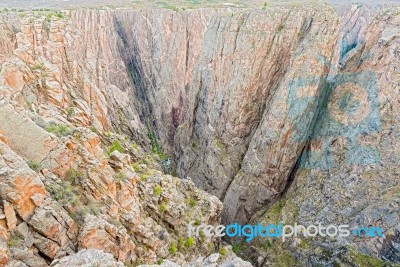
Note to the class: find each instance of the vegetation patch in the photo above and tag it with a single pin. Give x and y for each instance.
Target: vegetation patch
(73, 175)
(189, 242)
(70, 111)
(136, 166)
(238, 247)
(36, 166)
(365, 260)
(38, 66)
(280, 27)
(286, 259)
(223, 251)
(163, 207)
(63, 193)
(115, 146)
(94, 129)
(274, 213)
(190, 201)
(14, 241)
(218, 144)
(157, 190)
(173, 249)
(181, 243)
(120, 176)
(59, 130)
(155, 147)
(144, 176)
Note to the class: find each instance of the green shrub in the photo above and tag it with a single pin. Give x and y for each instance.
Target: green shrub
(267, 244)
(169, 6)
(115, 146)
(218, 144)
(223, 251)
(172, 248)
(189, 242)
(130, 263)
(136, 166)
(36, 166)
(163, 207)
(190, 201)
(94, 129)
(157, 190)
(134, 146)
(202, 235)
(59, 15)
(120, 176)
(137, 262)
(286, 259)
(194, 145)
(300, 34)
(114, 221)
(93, 208)
(14, 241)
(181, 243)
(144, 176)
(155, 147)
(70, 111)
(210, 247)
(72, 175)
(38, 66)
(365, 260)
(63, 193)
(238, 247)
(59, 130)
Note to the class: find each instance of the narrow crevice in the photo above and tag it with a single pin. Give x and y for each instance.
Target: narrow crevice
(293, 172)
(130, 53)
(44, 256)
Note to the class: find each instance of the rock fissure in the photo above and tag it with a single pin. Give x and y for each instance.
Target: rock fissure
(248, 105)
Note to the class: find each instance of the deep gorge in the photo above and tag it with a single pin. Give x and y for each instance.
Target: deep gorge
(250, 105)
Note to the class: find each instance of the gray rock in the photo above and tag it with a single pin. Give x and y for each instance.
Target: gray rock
(87, 258)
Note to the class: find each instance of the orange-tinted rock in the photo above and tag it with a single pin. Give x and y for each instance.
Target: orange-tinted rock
(11, 218)
(99, 234)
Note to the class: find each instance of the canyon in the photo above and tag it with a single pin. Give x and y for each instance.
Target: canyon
(119, 126)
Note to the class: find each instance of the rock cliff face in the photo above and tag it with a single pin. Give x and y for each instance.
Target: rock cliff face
(288, 113)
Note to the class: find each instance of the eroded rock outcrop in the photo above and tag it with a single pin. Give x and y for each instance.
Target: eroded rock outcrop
(88, 257)
(242, 100)
(32, 218)
(81, 202)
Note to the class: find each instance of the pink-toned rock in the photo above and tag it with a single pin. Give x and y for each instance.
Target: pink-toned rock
(10, 215)
(3, 246)
(99, 234)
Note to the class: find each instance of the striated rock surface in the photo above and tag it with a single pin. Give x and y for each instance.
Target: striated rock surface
(288, 113)
(88, 257)
(81, 202)
(215, 259)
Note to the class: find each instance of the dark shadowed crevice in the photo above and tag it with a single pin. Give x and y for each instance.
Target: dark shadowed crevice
(142, 86)
(293, 172)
